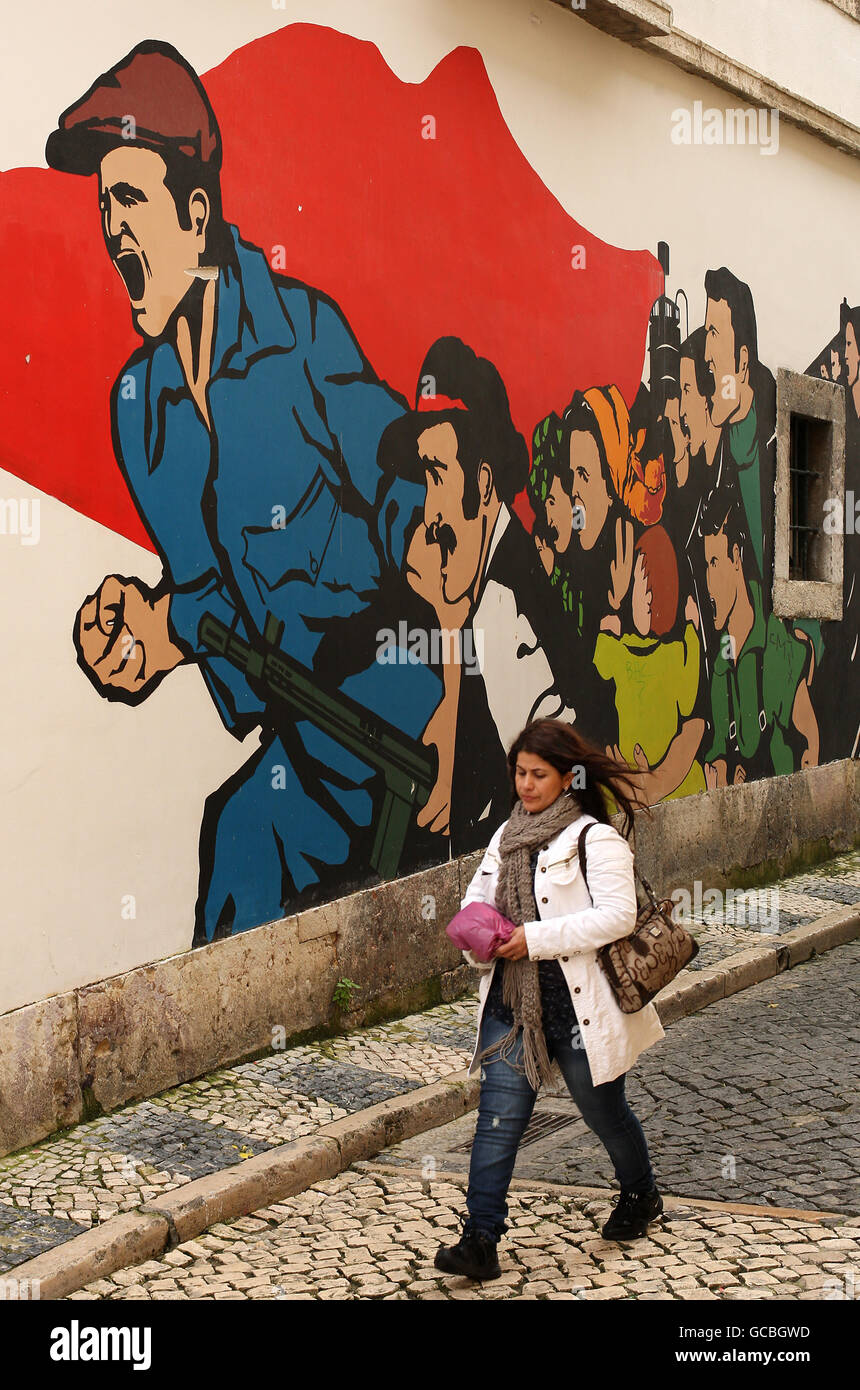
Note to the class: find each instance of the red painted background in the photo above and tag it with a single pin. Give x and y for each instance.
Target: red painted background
(414, 238)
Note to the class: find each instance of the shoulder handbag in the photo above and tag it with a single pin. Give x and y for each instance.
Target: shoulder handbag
(639, 965)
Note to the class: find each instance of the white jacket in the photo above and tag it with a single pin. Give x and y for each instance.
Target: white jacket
(571, 930)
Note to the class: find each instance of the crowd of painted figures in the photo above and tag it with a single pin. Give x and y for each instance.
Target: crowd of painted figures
(640, 605)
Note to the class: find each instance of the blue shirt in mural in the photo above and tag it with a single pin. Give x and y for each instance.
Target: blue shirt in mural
(281, 508)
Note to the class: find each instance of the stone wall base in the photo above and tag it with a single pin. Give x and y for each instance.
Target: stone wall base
(101, 1046)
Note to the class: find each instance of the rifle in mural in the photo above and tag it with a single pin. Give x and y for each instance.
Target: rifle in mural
(664, 338)
(287, 685)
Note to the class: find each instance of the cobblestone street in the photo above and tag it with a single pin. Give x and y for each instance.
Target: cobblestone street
(753, 1101)
(368, 1234)
(790, 1085)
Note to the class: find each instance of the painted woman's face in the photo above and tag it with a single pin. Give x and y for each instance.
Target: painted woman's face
(538, 783)
(589, 489)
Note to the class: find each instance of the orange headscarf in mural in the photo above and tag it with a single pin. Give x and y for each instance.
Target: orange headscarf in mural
(640, 485)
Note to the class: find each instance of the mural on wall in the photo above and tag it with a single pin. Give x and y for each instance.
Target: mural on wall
(839, 361)
(392, 448)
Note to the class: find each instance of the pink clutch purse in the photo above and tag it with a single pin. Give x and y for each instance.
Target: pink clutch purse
(479, 928)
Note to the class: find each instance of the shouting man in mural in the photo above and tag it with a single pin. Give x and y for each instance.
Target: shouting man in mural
(246, 426)
(462, 442)
(764, 723)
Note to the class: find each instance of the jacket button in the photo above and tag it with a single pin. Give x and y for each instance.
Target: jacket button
(576, 987)
(544, 900)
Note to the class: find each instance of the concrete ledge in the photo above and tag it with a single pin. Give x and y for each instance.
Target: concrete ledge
(124, 1240)
(749, 967)
(834, 929)
(630, 20)
(686, 995)
(391, 1121)
(703, 987)
(647, 25)
(256, 1182)
(699, 58)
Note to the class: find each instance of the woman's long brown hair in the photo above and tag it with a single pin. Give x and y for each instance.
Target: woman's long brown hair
(559, 744)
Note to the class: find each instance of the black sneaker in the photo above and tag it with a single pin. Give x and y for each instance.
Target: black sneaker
(474, 1256)
(632, 1212)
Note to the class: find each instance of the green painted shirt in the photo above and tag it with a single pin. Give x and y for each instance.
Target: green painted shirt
(743, 446)
(772, 658)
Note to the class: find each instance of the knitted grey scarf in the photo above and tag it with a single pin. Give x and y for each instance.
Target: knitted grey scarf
(515, 899)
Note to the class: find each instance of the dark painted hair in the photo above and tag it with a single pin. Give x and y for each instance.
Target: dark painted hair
(724, 511)
(694, 348)
(558, 743)
(485, 431)
(722, 284)
(183, 175)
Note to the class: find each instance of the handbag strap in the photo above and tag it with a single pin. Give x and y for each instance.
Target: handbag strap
(582, 852)
(580, 849)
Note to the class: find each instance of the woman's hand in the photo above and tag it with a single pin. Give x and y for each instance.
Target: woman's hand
(515, 947)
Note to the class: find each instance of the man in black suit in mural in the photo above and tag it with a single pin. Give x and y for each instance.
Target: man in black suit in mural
(462, 442)
(743, 404)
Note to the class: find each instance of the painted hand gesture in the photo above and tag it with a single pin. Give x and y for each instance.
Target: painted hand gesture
(621, 568)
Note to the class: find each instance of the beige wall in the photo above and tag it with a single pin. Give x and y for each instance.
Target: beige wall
(809, 46)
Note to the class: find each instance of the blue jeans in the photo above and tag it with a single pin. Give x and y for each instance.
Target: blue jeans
(505, 1107)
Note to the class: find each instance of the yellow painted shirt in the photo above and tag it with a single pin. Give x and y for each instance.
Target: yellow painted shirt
(655, 690)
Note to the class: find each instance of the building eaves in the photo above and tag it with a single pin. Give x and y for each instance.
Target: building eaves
(647, 24)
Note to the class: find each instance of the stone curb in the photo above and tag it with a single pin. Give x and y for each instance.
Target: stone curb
(123, 1240)
(188, 1211)
(757, 963)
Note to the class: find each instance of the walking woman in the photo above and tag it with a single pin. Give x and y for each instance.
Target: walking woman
(544, 995)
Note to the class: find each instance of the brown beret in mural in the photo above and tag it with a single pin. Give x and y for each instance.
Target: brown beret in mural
(152, 97)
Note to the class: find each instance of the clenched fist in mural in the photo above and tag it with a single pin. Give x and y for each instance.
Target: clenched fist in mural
(122, 639)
